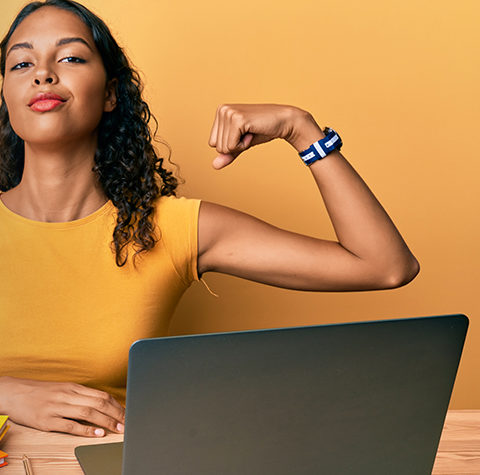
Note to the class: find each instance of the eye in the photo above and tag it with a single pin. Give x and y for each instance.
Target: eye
(72, 59)
(20, 65)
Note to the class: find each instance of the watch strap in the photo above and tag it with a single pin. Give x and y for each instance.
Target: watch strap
(321, 148)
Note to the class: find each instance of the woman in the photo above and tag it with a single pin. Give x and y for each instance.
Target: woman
(78, 166)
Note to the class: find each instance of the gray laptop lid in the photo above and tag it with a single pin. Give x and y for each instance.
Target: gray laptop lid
(355, 398)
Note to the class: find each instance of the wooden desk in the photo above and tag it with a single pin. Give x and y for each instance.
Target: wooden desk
(52, 453)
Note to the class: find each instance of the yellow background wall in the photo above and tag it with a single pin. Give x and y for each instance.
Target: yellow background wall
(399, 80)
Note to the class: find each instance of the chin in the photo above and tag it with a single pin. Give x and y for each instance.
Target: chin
(53, 134)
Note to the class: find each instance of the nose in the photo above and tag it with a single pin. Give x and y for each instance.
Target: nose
(47, 80)
(44, 75)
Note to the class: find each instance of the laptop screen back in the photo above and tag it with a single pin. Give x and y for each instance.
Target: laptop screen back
(355, 398)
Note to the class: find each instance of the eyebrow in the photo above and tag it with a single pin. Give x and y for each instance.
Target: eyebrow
(60, 42)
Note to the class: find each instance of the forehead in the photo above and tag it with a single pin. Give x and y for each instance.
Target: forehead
(45, 25)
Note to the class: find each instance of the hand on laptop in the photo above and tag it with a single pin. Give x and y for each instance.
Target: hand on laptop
(57, 406)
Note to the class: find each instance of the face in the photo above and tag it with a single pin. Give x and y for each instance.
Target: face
(52, 52)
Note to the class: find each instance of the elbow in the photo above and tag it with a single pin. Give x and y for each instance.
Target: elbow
(403, 274)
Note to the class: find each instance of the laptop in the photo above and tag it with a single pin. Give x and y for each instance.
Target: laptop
(353, 398)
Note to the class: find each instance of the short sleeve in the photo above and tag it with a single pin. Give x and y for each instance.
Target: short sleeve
(177, 219)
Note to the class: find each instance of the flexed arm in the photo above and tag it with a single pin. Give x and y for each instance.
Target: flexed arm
(370, 253)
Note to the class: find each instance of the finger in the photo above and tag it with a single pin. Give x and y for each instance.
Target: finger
(94, 412)
(247, 140)
(222, 161)
(214, 132)
(100, 400)
(96, 393)
(235, 141)
(212, 141)
(232, 138)
(231, 133)
(59, 424)
(221, 125)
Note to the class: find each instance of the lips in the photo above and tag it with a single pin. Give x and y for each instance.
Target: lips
(45, 101)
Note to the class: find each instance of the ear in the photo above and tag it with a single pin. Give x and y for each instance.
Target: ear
(110, 95)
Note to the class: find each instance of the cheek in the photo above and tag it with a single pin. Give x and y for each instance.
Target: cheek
(90, 98)
(16, 108)
(9, 89)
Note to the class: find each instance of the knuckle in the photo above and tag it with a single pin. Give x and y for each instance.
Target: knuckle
(223, 108)
(238, 118)
(247, 124)
(101, 403)
(109, 399)
(63, 396)
(72, 387)
(68, 426)
(86, 411)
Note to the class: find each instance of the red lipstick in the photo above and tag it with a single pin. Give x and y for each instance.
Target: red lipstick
(45, 101)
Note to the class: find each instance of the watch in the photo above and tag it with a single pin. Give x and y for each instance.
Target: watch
(321, 148)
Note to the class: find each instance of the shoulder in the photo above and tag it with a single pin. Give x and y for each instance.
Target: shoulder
(177, 221)
(172, 209)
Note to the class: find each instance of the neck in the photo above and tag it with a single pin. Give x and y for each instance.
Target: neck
(58, 183)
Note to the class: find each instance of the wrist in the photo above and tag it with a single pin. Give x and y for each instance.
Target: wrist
(304, 131)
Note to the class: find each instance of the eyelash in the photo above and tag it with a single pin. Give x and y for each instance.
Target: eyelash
(77, 61)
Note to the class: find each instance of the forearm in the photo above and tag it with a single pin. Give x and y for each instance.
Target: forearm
(361, 224)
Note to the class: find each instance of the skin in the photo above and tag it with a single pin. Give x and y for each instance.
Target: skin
(58, 185)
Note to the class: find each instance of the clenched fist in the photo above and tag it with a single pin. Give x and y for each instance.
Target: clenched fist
(238, 127)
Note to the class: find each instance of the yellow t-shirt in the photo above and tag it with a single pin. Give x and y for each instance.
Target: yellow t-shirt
(69, 313)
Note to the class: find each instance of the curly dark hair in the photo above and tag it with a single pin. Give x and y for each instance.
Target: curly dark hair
(126, 163)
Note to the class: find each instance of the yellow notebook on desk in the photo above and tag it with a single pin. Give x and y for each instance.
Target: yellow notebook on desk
(3, 426)
(3, 430)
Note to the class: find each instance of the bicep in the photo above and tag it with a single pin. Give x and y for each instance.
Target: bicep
(235, 243)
